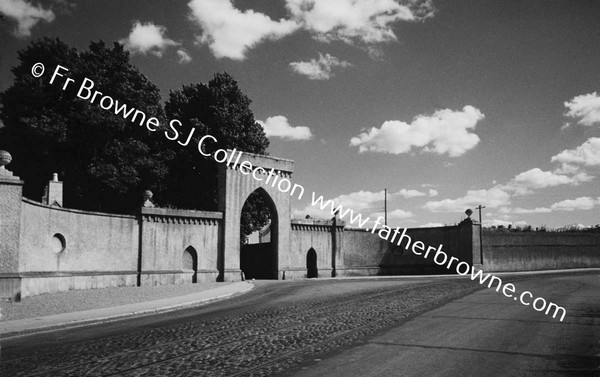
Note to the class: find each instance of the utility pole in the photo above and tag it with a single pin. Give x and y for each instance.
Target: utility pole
(334, 242)
(385, 204)
(480, 207)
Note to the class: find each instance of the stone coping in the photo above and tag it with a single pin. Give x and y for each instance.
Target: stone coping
(11, 180)
(408, 229)
(55, 208)
(316, 222)
(53, 274)
(189, 213)
(266, 162)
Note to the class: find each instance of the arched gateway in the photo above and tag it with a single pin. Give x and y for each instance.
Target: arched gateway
(173, 246)
(236, 183)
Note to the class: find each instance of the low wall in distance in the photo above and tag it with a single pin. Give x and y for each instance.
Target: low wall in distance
(365, 253)
(529, 251)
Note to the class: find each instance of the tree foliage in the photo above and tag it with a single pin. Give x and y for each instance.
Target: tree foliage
(218, 108)
(105, 161)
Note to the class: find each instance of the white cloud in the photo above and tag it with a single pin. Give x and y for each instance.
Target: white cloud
(366, 21)
(319, 69)
(362, 200)
(587, 154)
(357, 201)
(431, 225)
(278, 126)
(492, 198)
(536, 178)
(229, 32)
(522, 211)
(147, 38)
(581, 203)
(184, 57)
(526, 182)
(585, 108)
(498, 222)
(500, 195)
(397, 214)
(446, 131)
(394, 218)
(26, 15)
(409, 193)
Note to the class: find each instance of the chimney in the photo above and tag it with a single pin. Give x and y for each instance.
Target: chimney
(54, 192)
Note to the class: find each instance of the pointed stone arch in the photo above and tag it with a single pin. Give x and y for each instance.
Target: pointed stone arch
(189, 262)
(260, 260)
(312, 270)
(235, 186)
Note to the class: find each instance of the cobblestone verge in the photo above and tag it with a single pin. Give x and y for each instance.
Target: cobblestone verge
(255, 343)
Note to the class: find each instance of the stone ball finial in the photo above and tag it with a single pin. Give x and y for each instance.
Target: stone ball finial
(148, 199)
(5, 158)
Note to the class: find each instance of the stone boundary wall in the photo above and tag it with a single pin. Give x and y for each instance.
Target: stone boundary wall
(529, 251)
(165, 237)
(318, 235)
(47, 248)
(365, 253)
(62, 249)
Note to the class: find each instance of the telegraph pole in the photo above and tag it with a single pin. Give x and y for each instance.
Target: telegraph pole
(480, 207)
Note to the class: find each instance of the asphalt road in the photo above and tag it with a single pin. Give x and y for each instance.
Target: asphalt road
(485, 334)
(415, 326)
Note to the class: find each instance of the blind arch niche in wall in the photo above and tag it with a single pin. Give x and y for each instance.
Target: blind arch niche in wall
(190, 262)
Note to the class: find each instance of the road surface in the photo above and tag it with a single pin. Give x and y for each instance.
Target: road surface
(392, 327)
(485, 334)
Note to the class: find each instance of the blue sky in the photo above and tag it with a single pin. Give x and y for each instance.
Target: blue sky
(447, 104)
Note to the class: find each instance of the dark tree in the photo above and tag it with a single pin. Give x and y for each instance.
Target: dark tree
(218, 108)
(105, 160)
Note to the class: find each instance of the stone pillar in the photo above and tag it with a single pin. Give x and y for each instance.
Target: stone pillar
(11, 193)
(469, 242)
(477, 246)
(228, 259)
